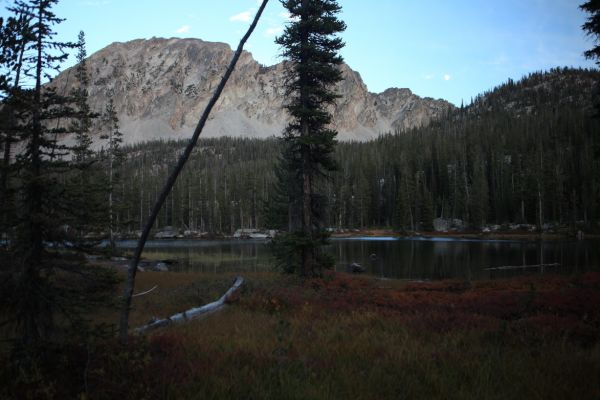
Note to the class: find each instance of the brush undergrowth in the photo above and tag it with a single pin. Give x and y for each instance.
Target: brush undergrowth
(342, 337)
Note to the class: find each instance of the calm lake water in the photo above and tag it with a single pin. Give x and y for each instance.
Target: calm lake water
(404, 258)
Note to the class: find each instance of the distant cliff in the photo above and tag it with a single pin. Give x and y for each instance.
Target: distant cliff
(161, 86)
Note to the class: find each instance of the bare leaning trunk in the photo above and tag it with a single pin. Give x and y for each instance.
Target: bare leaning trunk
(129, 285)
(142, 193)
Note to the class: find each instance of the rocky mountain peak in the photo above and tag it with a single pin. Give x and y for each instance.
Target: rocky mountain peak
(160, 87)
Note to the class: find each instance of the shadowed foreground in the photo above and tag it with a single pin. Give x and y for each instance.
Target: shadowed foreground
(347, 337)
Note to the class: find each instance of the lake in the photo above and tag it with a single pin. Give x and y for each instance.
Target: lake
(400, 258)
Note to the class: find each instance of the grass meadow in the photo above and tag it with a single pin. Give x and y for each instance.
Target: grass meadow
(344, 337)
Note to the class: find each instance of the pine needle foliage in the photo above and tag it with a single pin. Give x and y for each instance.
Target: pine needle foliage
(311, 47)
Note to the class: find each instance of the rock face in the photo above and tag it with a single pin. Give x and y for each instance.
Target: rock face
(161, 86)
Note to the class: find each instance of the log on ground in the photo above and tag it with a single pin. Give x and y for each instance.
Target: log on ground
(192, 313)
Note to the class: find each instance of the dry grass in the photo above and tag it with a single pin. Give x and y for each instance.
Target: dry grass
(356, 337)
(360, 338)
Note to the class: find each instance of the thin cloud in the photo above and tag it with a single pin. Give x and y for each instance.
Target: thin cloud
(244, 16)
(183, 29)
(274, 31)
(447, 77)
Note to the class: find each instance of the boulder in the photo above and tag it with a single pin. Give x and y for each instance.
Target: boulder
(356, 268)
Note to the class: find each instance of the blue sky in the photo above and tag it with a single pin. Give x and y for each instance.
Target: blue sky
(451, 49)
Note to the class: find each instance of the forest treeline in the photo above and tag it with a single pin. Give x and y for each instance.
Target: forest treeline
(525, 152)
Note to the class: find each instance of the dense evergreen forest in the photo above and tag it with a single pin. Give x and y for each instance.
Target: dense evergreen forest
(526, 152)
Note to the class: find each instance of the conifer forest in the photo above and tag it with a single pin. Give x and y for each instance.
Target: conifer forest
(522, 153)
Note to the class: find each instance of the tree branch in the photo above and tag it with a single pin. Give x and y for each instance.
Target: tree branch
(130, 283)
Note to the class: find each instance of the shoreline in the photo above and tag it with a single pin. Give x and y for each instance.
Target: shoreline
(351, 233)
(503, 235)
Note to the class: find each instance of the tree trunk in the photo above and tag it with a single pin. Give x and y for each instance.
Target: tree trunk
(33, 194)
(110, 191)
(307, 256)
(129, 286)
(4, 195)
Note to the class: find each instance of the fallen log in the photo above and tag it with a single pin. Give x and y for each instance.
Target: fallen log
(507, 267)
(192, 313)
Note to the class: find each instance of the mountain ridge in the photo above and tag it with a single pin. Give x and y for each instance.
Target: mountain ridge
(160, 87)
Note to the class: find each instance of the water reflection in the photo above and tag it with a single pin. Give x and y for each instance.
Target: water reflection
(412, 258)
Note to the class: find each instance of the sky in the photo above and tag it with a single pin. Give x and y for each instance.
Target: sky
(449, 49)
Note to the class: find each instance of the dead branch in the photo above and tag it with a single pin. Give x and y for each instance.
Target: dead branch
(146, 292)
(130, 283)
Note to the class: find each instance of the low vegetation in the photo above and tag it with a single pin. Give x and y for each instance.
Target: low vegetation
(343, 337)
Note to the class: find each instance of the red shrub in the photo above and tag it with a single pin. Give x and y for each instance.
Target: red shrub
(558, 326)
(450, 285)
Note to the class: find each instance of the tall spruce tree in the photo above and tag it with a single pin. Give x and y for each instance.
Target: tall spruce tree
(83, 121)
(35, 308)
(114, 158)
(40, 282)
(311, 46)
(84, 181)
(592, 28)
(15, 35)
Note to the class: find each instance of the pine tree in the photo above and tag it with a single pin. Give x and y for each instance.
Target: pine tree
(277, 208)
(41, 283)
(311, 47)
(83, 119)
(402, 211)
(428, 211)
(592, 28)
(85, 183)
(15, 34)
(114, 161)
(479, 196)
